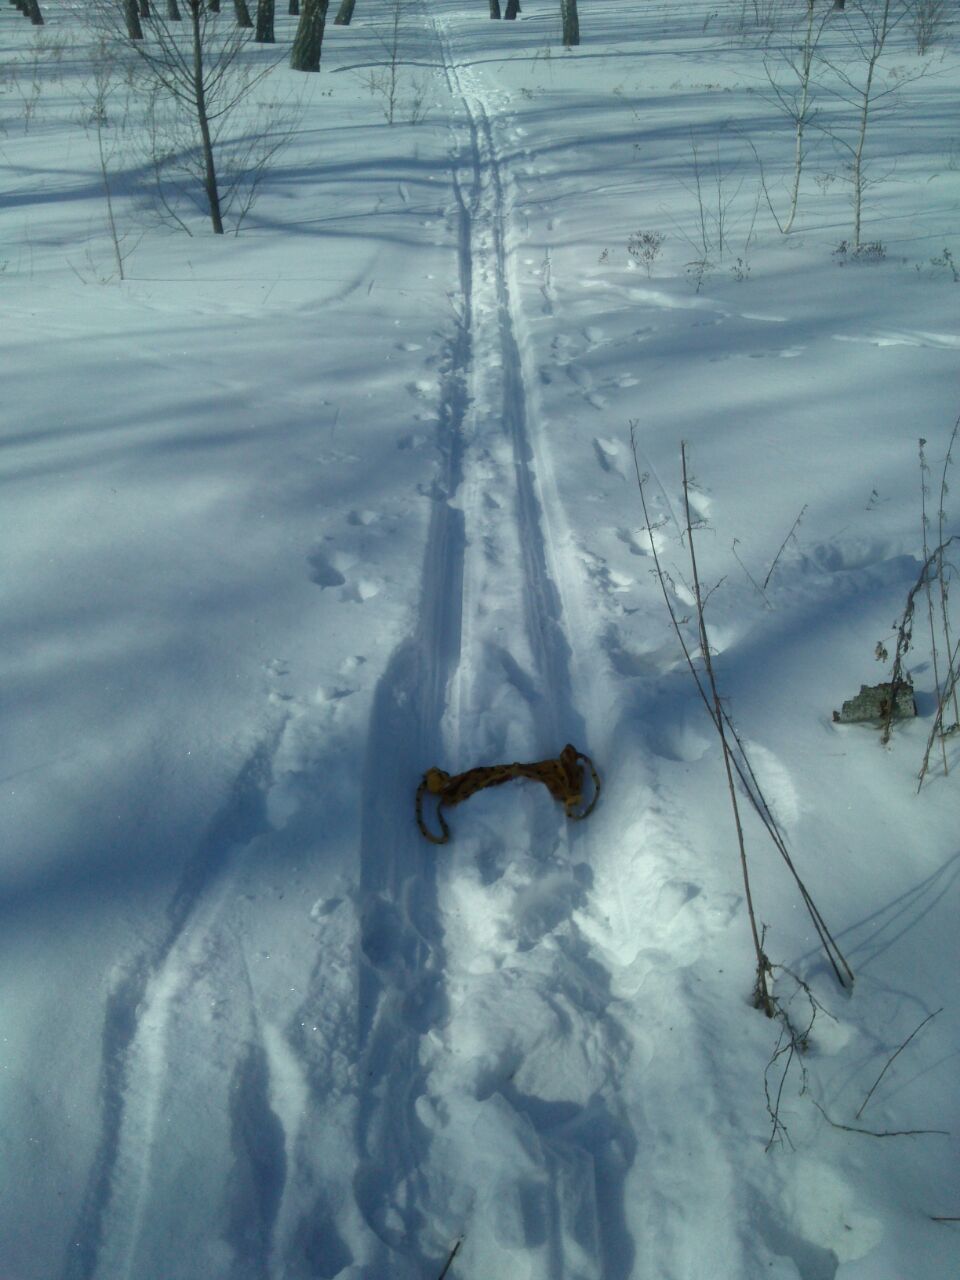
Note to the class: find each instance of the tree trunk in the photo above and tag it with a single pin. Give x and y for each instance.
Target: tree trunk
(213, 6)
(494, 8)
(294, 8)
(571, 22)
(200, 102)
(131, 18)
(32, 10)
(803, 68)
(513, 8)
(344, 13)
(173, 11)
(265, 13)
(308, 41)
(144, 8)
(243, 13)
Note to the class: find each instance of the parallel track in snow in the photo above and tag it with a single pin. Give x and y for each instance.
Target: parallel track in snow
(424, 700)
(497, 346)
(138, 1041)
(479, 641)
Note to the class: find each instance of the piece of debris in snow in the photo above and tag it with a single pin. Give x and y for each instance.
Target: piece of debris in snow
(873, 703)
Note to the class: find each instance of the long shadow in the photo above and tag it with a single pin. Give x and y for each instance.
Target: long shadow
(867, 939)
(401, 992)
(239, 821)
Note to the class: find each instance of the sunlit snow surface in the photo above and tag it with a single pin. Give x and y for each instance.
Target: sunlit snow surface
(289, 517)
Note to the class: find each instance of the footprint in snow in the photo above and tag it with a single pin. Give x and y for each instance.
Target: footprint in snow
(642, 542)
(562, 348)
(583, 379)
(422, 389)
(608, 453)
(323, 571)
(700, 503)
(608, 579)
(360, 591)
(681, 741)
(903, 338)
(544, 903)
(630, 662)
(854, 553)
(721, 638)
(771, 353)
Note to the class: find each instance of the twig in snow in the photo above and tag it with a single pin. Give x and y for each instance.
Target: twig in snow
(946, 693)
(890, 1060)
(940, 538)
(449, 1263)
(793, 1041)
(712, 700)
(842, 970)
(753, 582)
(776, 558)
(762, 996)
(878, 1133)
(949, 691)
(924, 523)
(905, 638)
(739, 759)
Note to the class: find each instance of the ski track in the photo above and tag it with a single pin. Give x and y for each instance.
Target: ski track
(139, 1010)
(424, 1051)
(405, 1010)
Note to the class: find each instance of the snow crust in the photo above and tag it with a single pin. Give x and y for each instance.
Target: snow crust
(289, 517)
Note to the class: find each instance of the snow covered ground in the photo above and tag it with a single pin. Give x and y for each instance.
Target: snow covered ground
(290, 516)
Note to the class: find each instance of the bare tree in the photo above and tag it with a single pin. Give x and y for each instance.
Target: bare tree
(793, 97)
(194, 77)
(131, 18)
(384, 80)
(570, 20)
(100, 91)
(308, 41)
(928, 19)
(344, 13)
(265, 16)
(858, 85)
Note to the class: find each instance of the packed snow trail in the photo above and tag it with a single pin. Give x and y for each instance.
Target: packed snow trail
(539, 1053)
(416, 1200)
(527, 1063)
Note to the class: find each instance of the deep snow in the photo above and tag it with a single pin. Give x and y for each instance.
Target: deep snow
(291, 516)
